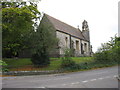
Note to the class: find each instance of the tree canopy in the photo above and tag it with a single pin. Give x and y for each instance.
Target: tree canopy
(109, 52)
(18, 24)
(44, 42)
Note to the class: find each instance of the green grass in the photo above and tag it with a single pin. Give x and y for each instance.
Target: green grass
(82, 59)
(25, 64)
(18, 62)
(54, 64)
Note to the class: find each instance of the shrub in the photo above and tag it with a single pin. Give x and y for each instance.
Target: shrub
(40, 58)
(101, 57)
(84, 66)
(116, 51)
(67, 61)
(109, 52)
(3, 66)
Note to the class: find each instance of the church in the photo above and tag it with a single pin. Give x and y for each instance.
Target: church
(69, 37)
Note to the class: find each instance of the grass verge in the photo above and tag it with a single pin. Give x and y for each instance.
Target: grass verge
(22, 64)
(83, 63)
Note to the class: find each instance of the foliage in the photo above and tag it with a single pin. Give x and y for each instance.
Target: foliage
(82, 63)
(44, 42)
(67, 62)
(101, 57)
(41, 58)
(116, 50)
(69, 52)
(55, 63)
(45, 36)
(3, 66)
(109, 52)
(18, 22)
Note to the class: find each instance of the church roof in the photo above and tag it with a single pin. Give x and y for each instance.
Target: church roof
(63, 27)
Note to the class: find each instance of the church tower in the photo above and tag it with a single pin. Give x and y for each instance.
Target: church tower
(85, 30)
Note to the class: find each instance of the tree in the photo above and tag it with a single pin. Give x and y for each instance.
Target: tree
(116, 50)
(109, 52)
(17, 26)
(44, 42)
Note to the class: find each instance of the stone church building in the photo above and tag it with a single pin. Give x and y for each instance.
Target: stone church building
(69, 36)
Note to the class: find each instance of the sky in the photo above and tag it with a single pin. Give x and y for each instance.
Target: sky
(101, 15)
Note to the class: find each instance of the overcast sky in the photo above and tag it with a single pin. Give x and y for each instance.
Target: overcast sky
(102, 16)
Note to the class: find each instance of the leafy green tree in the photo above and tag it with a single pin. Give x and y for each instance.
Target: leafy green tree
(109, 52)
(44, 42)
(12, 4)
(18, 25)
(116, 50)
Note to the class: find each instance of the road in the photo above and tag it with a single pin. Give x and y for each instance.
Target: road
(99, 78)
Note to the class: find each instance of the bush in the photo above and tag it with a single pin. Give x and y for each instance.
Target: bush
(101, 57)
(84, 65)
(116, 51)
(109, 53)
(3, 66)
(40, 59)
(67, 61)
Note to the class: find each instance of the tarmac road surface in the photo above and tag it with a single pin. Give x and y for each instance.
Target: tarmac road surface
(99, 78)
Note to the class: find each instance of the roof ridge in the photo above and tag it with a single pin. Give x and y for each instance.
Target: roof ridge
(73, 28)
(62, 22)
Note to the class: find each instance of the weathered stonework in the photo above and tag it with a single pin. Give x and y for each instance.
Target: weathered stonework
(62, 41)
(63, 44)
(70, 37)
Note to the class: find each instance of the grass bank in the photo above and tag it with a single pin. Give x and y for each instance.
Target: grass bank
(83, 63)
(26, 64)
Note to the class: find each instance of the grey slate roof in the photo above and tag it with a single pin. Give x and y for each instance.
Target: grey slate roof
(61, 26)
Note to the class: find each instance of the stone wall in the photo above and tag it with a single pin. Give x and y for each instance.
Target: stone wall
(77, 51)
(62, 41)
(63, 44)
(87, 48)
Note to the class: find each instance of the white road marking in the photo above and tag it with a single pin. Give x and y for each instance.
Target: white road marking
(72, 83)
(100, 78)
(40, 87)
(84, 81)
(93, 79)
